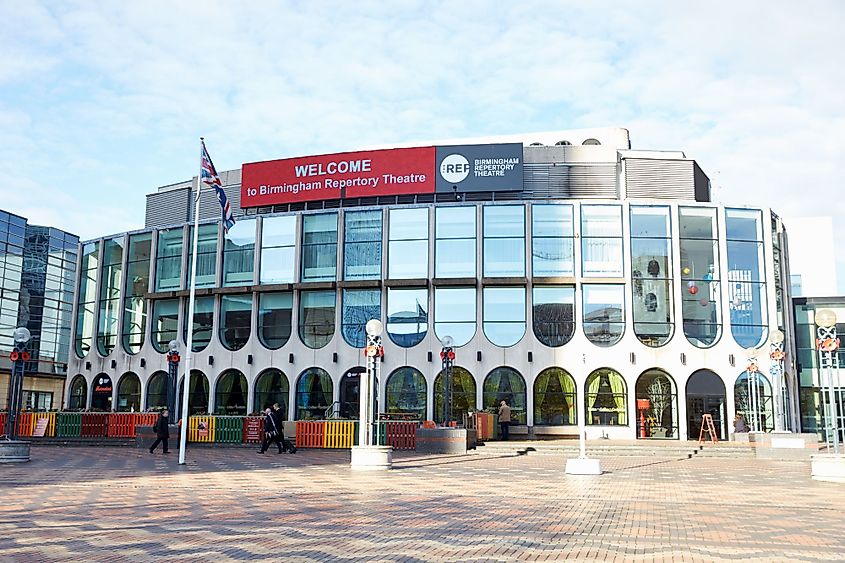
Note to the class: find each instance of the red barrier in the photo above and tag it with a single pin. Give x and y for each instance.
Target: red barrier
(24, 422)
(309, 434)
(253, 430)
(95, 425)
(2, 423)
(401, 435)
(121, 425)
(145, 418)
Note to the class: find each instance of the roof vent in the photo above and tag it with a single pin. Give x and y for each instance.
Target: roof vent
(536, 144)
(591, 142)
(562, 143)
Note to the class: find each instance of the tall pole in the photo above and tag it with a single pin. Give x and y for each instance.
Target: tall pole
(827, 343)
(19, 357)
(777, 356)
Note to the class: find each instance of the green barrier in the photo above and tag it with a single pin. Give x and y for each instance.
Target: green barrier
(69, 424)
(228, 429)
(381, 434)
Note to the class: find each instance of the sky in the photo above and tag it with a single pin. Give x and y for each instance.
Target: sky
(103, 102)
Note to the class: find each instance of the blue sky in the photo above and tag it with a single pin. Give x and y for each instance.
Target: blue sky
(102, 102)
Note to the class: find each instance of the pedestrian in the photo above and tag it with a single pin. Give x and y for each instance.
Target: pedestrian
(271, 431)
(162, 430)
(504, 419)
(286, 445)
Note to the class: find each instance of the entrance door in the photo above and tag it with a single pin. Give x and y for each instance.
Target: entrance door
(706, 395)
(350, 394)
(101, 393)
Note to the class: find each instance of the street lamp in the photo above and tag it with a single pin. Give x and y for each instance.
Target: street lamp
(19, 357)
(777, 355)
(753, 400)
(827, 344)
(447, 357)
(173, 359)
(374, 351)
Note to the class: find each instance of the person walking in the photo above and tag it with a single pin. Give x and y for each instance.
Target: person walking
(286, 445)
(162, 430)
(271, 431)
(504, 419)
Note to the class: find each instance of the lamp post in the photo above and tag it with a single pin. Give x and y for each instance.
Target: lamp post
(827, 344)
(777, 355)
(19, 357)
(173, 359)
(367, 435)
(751, 371)
(447, 357)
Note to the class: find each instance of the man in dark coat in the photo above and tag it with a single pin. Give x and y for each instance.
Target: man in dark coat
(162, 431)
(278, 416)
(271, 432)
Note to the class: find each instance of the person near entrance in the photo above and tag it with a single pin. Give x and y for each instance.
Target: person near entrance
(286, 445)
(504, 419)
(162, 430)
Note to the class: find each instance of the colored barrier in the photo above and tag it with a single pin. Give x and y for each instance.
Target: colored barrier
(121, 425)
(145, 419)
(43, 424)
(228, 429)
(400, 435)
(69, 424)
(201, 428)
(309, 433)
(484, 425)
(24, 422)
(253, 429)
(338, 433)
(2, 423)
(95, 425)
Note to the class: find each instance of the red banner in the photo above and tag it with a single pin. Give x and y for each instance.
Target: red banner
(335, 176)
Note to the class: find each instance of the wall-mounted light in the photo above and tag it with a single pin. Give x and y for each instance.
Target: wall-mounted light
(478, 355)
(249, 359)
(429, 355)
(290, 358)
(211, 360)
(530, 357)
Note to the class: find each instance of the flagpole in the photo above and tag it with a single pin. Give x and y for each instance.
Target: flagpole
(183, 435)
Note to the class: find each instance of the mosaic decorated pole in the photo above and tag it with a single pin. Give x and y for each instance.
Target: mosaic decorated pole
(447, 357)
(753, 400)
(777, 355)
(827, 343)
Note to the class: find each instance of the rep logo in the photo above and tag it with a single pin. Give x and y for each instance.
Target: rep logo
(454, 168)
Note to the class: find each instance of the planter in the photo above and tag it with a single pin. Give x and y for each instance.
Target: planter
(14, 451)
(372, 458)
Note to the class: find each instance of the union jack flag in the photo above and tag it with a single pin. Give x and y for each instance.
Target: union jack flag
(209, 176)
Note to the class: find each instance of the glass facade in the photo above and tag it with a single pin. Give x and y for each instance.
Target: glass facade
(128, 393)
(203, 322)
(239, 254)
(606, 398)
(406, 392)
(169, 260)
(504, 241)
(86, 299)
(164, 325)
(137, 284)
(314, 390)
(454, 245)
(701, 301)
(157, 391)
(278, 249)
(319, 247)
(275, 312)
(230, 394)
(504, 315)
(206, 256)
(454, 313)
(463, 395)
(235, 320)
(359, 306)
(604, 313)
(78, 394)
(657, 405)
(197, 393)
(746, 276)
(555, 402)
(110, 280)
(553, 240)
(601, 241)
(651, 274)
(554, 314)
(316, 318)
(407, 246)
(362, 245)
(506, 384)
(407, 315)
(272, 387)
(765, 411)
(12, 233)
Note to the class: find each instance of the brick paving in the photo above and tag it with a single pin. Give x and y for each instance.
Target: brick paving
(231, 504)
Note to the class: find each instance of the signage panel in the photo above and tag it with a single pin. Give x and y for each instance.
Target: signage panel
(479, 168)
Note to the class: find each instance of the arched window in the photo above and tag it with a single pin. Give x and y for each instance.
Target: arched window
(157, 391)
(359, 306)
(164, 326)
(604, 313)
(651, 274)
(504, 315)
(555, 400)
(235, 320)
(102, 392)
(700, 289)
(137, 284)
(316, 318)
(78, 394)
(198, 393)
(504, 240)
(746, 276)
(86, 299)
(271, 387)
(657, 405)
(203, 322)
(314, 390)
(406, 392)
(506, 384)
(606, 399)
(763, 416)
(110, 295)
(554, 314)
(230, 393)
(706, 395)
(454, 313)
(239, 253)
(128, 393)
(275, 311)
(407, 315)
(463, 395)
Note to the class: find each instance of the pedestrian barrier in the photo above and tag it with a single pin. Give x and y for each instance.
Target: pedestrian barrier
(253, 430)
(95, 425)
(49, 425)
(484, 425)
(309, 433)
(145, 419)
(121, 425)
(69, 424)
(338, 433)
(201, 428)
(400, 435)
(228, 429)
(24, 423)
(2, 423)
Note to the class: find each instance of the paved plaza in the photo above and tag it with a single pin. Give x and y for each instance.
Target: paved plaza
(231, 504)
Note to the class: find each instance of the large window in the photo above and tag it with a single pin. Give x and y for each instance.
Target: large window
(239, 254)
(604, 313)
(601, 241)
(746, 276)
(651, 274)
(271, 387)
(454, 247)
(316, 318)
(744, 392)
(552, 242)
(128, 393)
(169, 259)
(230, 394)
(319, 247)
(164, 326)
(504, 240)
(206, 256)
(235, 319)
(362, 245)
(359, 306)
(137, 284)
(274, 318)
(701, 301)
(407, 315)
(506, 384)
(554, 314)
(406, 392)
(463, 395)
(78, 395)
(203, 322)
(278, 247)
(657, 405)
(110, 295)
(407, 250)
(554, 398)
(87, 299)
(606, 398)
(314, 390)
(454, 313)
(157, 391)
(504, 315)
(197, 393)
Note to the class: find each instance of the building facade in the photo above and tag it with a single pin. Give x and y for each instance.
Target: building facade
(578, 279)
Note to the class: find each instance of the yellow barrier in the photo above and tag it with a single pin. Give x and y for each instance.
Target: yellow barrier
(51, 423)
(201, 429)
(339, 434)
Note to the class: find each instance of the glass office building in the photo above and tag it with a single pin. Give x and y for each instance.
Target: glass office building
(600, 284)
